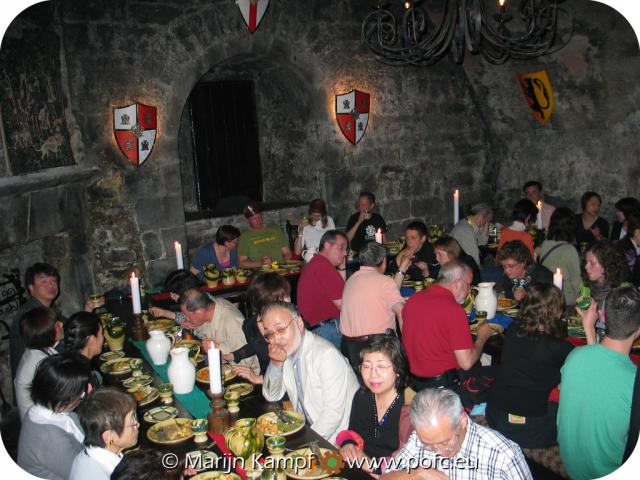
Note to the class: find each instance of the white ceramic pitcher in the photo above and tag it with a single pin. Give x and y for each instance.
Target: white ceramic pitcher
(486, 300)
(181, 372)
(158, 346)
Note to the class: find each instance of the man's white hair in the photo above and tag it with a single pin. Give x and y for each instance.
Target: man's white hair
(453, 271)
(432, 404)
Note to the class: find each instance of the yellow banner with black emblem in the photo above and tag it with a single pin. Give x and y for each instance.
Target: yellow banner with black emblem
(538, 93)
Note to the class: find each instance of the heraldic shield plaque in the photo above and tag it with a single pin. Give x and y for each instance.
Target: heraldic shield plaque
(352, 113)
(537, 91)
(135, 128)
(253, 12)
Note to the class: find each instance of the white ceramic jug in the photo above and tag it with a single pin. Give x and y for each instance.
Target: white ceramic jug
(158, 347)
(181, 372)
(486, 300)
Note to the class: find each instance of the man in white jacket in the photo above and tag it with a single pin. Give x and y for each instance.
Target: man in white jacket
(318, 379)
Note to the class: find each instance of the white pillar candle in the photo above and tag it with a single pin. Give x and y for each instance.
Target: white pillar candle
(215, 377)
(135, 293)
(456, 207)
(379, 236)
(540, 219)
(557, 279)
(179, 261)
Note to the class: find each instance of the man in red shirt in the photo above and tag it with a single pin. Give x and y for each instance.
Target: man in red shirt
(320, 287)
(436, 332)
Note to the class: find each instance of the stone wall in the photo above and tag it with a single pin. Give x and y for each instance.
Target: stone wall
(430, 130)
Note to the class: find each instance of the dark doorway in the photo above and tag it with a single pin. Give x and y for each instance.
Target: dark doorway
(226, 155)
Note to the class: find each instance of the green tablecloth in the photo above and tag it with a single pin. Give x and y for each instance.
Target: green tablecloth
(196, 402)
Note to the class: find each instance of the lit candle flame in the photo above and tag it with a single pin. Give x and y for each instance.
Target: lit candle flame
(501, 3)
(539, 205)
(133, 275)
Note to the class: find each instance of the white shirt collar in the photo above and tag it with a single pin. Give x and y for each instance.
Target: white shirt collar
(106, 459)
(518, 226)
(636, 246)
(43, 416)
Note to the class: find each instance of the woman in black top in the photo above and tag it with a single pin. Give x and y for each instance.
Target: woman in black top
(532, 356)
(419, 249)
(374, 423)
(264, 288)
(591, 227)
(625, 207)
(447, 249)
(519, 269)
(83, 335)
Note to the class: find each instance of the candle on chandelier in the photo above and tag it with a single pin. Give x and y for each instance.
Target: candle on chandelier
(179, 260)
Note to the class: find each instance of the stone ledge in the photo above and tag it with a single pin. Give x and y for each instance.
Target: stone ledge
(52, 177)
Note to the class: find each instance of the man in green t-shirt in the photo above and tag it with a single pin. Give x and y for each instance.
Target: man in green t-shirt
(261, 244)
(596, 389)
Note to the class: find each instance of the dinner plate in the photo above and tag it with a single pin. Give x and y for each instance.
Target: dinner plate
(506, 304)
(139, 381)
(512, 312)
(119, 366)
(107, 356)
(146, 395)
(269, 425)
(306, 473)
(242, 388)
(170, 432)
(160, 324)
(216, 476)
(160, 414)
(202, 459)
(497, 329)
(202, 375)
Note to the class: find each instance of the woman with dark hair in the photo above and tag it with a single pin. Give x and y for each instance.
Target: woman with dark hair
(108, 417)
(630, 248)
(604, 269)
(532, 356)
(83, 334)
(223, 252)
(558, 252)
(447, 248)
(624, 208)
(524, 214)
(311, 229)
(375, 421)
(51, 436)
(265, 288)
(590, 226)
(519, 270)
(176, 283)
(419, 250)
(41, 330)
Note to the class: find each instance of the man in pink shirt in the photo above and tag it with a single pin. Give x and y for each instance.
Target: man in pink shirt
(320, 287)
(371, 301)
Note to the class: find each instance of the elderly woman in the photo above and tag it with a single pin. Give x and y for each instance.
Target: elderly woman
(590, 226)
(83, 334)
(223, 252)
(51, 436)
(447, 249)
(311, 229)
(524, 214)
(108, 417)
(558, 252)
(265, 288)
(532, 357)
(419, 251)
(519, 269)
(383, 369)
(625, 207)
(41, 330)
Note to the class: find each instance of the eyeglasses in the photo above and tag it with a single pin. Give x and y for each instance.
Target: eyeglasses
(510, 266)
(269, 336)
(447, 446)
(381, 368)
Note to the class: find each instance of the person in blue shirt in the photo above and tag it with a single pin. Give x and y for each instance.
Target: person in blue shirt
(223, 252)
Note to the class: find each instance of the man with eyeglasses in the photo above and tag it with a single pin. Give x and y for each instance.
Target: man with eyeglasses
(319, 381)
(446, 443)
(321, 284)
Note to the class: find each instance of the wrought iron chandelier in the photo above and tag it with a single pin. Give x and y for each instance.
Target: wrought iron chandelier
(401, 32)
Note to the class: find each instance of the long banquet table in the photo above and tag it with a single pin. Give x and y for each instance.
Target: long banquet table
(196, 405)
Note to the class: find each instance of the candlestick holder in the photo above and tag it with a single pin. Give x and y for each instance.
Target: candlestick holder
(138, 329)
(218, 417)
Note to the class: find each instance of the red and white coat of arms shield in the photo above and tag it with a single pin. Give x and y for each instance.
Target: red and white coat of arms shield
(135, 128)
(252, 12)
(352, 112)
